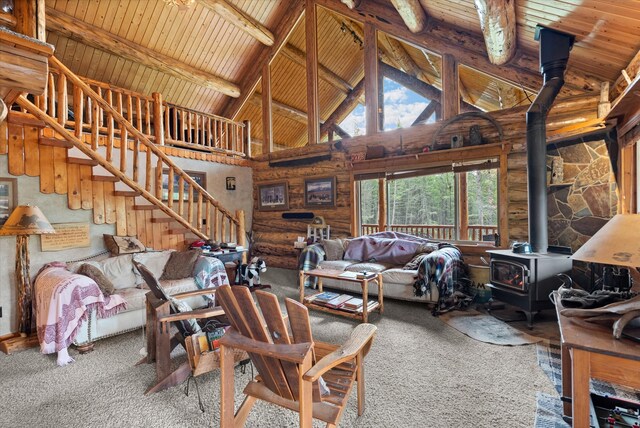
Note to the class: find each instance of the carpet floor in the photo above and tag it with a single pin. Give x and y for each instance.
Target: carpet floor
(419, 373)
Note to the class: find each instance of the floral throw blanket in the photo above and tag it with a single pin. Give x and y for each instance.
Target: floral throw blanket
(63, 301)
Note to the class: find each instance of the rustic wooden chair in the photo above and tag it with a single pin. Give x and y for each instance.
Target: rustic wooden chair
(298, 373)
(161, 315)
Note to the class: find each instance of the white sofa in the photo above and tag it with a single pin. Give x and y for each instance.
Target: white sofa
(129, 284)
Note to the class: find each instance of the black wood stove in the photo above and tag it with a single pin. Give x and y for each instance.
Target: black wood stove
(526, 280)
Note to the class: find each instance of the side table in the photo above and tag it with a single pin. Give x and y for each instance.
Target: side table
(589, 350)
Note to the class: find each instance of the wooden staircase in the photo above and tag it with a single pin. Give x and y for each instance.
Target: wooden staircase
(84, 147)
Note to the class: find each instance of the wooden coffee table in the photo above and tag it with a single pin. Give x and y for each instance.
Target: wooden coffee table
(364, 290)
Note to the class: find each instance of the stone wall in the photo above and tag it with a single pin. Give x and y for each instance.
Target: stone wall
(585, 201)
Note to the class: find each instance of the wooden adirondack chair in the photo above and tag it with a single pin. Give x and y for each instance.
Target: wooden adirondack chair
(292, 370)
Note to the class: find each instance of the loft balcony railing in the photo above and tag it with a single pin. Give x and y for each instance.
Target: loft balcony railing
(443, 232)
(162, 122)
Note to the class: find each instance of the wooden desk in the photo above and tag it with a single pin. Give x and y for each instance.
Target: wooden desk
(364, 286)
(589, 350)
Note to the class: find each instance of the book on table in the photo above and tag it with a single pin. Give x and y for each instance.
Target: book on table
(338, 301)
(352, 304)
(324, 297)
(357, 275)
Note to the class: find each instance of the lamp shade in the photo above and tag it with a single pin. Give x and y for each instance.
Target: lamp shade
(27, 220)
(617, 243)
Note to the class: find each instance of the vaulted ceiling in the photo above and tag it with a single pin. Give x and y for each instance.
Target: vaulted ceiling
(209, 55)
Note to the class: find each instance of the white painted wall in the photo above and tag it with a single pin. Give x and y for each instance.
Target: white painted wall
(54, 207)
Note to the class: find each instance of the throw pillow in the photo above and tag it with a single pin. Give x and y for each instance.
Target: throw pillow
(180, 264)
(333, 248)
(155, 261)
(119, 270)
(123, 244)
(96, 274)
(191, 326)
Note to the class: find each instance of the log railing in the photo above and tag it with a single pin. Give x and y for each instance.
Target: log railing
(161, 122)
(444, 232)
(185, 127)
(133, 158)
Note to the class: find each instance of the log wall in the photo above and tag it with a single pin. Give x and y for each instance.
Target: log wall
(274, 236)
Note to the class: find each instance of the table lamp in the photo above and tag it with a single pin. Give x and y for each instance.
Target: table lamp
(25, 220)
(617, 243)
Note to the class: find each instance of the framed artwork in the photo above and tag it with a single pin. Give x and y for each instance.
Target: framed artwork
(320, 192)
(199, 177)
(273, 196)
(8, 198)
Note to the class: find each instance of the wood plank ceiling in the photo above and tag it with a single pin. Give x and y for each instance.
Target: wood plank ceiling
(607, 37)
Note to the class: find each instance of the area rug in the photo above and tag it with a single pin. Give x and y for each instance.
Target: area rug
(487, 328)
(549, 407)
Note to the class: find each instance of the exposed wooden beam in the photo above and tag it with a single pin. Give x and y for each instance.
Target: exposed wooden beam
(418, 86)
(253, 70)
(498, 23)
(450, 87)
(280, 108)
(237, 17)
(98, 38)
(311, 37)
(427, 112)
(402, 59)
(371, 80)
(341, 132)
(300, 58)
(623, 80)
(412, 14)
(441, 38)
(267, 115)
(343, 110)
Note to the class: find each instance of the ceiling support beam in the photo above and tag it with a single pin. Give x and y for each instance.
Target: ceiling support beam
(98, 38)
(498, 23)
(629, 73)
(412, 14)
(311, 37)
(371, 80)
(253, 71)
(241, 20)
(267, 112)
(442, 38)
(280, 108)
(343, 110)
(300, 58)
(427, 112)
(402, 59)
(450, 87)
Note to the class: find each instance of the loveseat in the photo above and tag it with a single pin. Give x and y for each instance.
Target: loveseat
(413, 268)
(128, 283)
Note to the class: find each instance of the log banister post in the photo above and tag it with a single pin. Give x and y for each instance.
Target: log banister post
(158, 118)
(241, 233)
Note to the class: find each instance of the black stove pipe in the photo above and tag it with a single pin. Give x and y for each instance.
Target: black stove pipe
(554, 54)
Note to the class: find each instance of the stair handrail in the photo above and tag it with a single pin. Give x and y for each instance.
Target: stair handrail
(34, 110)
(145, 140)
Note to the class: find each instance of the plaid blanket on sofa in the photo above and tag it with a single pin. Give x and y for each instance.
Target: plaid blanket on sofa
(444, 268)
(309, 259)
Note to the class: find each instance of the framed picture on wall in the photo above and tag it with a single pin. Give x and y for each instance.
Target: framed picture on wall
(320, 192)
(8, 198)
(273, 196)
(199, 177)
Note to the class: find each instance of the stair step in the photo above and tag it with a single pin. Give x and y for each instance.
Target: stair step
(82, 161)
(109, 178)
(161, 220)
(55, 142)
(126, 193)
(145, 207)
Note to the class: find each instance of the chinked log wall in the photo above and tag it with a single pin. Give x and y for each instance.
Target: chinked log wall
(274, 236)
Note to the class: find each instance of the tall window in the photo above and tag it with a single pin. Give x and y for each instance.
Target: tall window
(453, 205)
